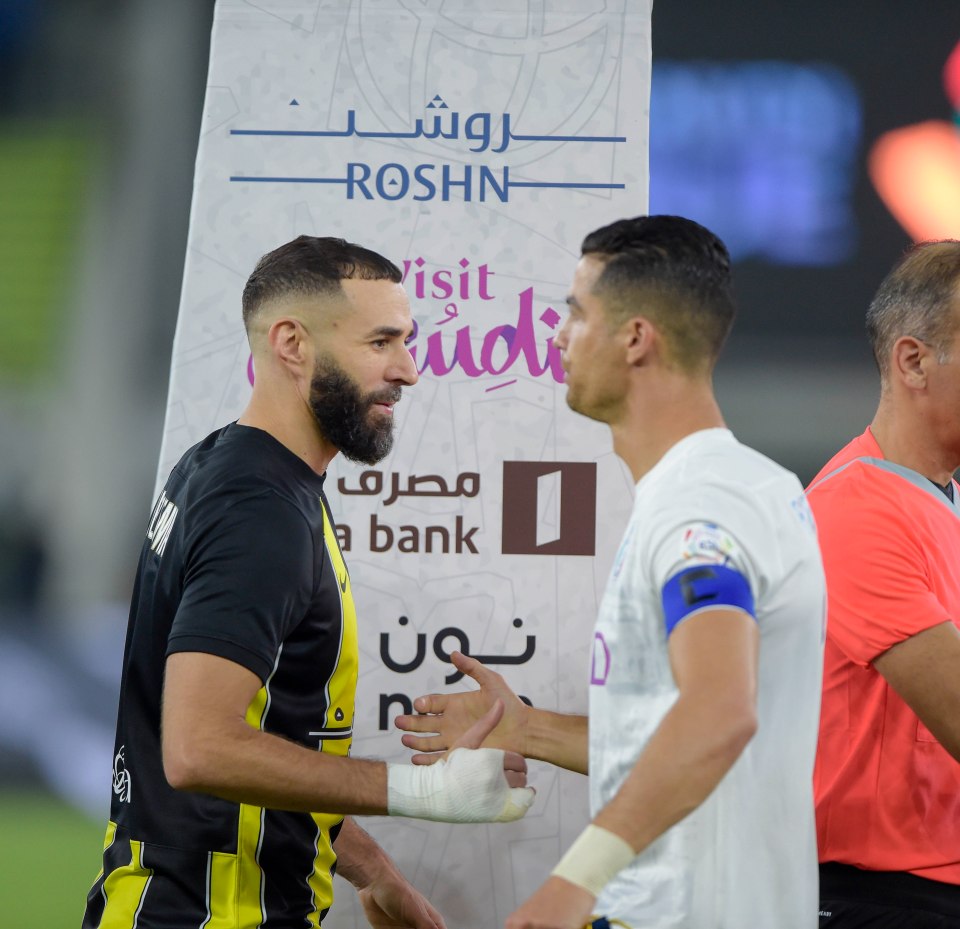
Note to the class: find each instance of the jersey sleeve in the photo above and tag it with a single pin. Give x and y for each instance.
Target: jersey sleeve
(248, 580)
(878, 593)
(704, 555)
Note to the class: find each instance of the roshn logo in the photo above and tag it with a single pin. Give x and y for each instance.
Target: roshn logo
(445, 176)
(549, 508)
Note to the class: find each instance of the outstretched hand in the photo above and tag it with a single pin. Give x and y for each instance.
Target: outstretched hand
(444, 721)
(514, 764)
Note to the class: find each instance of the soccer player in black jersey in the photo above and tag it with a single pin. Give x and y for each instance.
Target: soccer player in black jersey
(233, 792)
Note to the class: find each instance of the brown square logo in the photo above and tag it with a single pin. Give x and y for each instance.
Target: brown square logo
(549, 508)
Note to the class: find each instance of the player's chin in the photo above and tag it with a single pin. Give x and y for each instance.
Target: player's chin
(380, 426)
(574, 400)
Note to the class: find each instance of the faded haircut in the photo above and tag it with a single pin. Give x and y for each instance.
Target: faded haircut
(312, 266)
(674, 271)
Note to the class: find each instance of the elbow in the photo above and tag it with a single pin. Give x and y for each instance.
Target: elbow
(185, 764)
(742, 728)
(733, 732)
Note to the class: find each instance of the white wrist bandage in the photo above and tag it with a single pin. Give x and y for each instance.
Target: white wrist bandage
(469, 786)
(594, 859)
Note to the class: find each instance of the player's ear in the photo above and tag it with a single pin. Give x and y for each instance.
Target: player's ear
(289, 342)
(910, 359)
(639, 338)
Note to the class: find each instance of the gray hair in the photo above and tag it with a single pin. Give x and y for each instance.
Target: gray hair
(916, 299)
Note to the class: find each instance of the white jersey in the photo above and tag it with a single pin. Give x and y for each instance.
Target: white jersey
(746, 858)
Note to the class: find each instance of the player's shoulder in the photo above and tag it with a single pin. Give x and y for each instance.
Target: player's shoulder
(858, 486)
(720, 487)
(713, 461)
(238, 466)
(848, 466)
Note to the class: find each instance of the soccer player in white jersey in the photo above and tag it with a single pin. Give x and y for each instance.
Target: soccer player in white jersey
(708, 649)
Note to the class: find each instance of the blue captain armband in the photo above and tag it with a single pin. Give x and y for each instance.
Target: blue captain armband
(705, 587)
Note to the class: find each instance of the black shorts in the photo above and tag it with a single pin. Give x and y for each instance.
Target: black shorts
(851, 898)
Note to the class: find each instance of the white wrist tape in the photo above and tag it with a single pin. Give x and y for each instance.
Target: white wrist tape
(594, 859)
(468, 786)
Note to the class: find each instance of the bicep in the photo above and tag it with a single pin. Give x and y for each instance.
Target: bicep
(713, 656)
(924, 670)
(709, 617)
(203, 695)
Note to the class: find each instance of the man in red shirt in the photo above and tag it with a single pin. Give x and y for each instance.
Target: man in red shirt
(887, 781)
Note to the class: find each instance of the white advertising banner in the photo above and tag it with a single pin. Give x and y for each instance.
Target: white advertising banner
(475, 144)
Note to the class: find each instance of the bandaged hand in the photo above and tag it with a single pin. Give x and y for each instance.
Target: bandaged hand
(468, 785)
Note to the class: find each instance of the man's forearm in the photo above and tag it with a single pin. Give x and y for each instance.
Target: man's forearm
(687, 756)
(245, 765)
(389, 901)
(208, 747)
(922, 669)
(557, 738)
(239, 763)
(359, 858)
(681, 764)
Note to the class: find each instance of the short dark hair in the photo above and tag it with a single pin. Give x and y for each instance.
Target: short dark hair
(673, 270)
(916, 299)
(312, 265)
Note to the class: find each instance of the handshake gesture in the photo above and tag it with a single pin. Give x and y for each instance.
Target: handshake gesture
(444, 720)
(467, 784)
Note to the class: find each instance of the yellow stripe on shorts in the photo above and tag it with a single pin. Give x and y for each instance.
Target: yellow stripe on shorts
(125, 889)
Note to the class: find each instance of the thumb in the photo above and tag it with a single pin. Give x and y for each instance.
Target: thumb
(426, 917)
(474, 736)
(519, 800)
(471, 667)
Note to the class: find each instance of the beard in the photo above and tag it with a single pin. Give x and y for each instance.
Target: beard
(343, 413)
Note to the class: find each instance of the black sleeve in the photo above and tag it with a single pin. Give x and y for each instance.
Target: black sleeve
(248, 580)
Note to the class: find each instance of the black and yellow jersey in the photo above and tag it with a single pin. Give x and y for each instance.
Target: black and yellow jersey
(241, 561)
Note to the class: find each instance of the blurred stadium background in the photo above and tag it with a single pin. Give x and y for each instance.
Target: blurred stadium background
(818, 139)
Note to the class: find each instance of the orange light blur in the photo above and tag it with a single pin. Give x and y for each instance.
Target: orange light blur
(916, 171)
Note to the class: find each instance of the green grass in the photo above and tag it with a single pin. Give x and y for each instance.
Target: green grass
(44, 168)
(49, 857)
